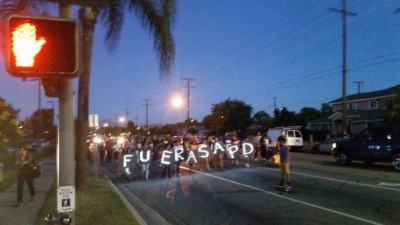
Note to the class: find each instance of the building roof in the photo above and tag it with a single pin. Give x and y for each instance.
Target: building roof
(355, 116)
(371, 95)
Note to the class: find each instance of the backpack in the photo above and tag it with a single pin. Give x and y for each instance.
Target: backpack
(36, 171)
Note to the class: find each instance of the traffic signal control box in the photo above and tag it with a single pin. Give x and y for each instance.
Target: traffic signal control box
(44, 47)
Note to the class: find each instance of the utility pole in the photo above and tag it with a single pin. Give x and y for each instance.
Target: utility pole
(188, 99)
(344, 13)
(359, 83)
(147, 112)
(127, 112)
(274, 102)
(116, 120)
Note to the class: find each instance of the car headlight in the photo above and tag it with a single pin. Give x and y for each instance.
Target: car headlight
(333, 145)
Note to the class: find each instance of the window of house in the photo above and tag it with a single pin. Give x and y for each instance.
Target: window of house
(352, 106)
(374, 104)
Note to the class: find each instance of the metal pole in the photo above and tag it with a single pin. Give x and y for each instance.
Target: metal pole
(40, 112)
(344, 71)
(66, 151)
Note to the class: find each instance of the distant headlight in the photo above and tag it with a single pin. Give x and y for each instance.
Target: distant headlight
(333, 145)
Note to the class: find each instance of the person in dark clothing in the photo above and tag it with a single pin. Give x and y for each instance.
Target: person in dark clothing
(24, 173)
(156, 144)
(109, 150)
(102, 152)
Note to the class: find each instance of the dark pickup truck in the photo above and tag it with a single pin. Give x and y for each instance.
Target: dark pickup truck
(376, 144)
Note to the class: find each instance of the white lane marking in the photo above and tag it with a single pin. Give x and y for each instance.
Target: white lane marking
(389, 184)
(289, 199)
(379, 186)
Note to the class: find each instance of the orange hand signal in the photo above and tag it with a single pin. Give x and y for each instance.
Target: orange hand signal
(25, 45)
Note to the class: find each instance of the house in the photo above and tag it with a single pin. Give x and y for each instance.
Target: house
(363, 110)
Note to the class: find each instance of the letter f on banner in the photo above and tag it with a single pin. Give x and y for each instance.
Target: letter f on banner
(127, 158)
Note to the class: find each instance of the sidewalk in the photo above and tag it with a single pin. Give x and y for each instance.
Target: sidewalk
(27, 213)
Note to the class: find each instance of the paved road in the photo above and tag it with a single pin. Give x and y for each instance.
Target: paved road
(323, 193)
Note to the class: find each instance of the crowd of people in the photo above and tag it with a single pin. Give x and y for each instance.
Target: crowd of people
(145, 151)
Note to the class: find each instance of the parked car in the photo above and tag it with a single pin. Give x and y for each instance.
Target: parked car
(376, 144)
(10, 150)
(325, 146)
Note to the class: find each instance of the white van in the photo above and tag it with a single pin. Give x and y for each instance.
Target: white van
(293, 135)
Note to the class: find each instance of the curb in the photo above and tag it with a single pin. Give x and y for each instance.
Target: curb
(128, 205)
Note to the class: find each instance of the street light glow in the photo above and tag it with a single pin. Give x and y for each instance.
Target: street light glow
(177, 102)
(121, 119)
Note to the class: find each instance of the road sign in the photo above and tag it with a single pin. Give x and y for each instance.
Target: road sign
(66, 199)
(93, 120)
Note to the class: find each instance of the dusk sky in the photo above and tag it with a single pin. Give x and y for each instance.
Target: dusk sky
(263, 52)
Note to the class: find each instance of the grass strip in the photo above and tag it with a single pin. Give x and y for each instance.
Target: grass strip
(97, 204)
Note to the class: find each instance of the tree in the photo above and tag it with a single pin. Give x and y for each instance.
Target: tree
(156, 16)
(10, 134)
(393, 109)
(228, 115)
(40, 123)
(326, 110)
(306, 115)
(284, 117)
(262, 119)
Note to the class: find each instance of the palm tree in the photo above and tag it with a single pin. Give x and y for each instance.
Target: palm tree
(156, 16)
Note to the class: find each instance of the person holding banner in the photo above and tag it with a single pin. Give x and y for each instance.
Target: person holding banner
(144, 159)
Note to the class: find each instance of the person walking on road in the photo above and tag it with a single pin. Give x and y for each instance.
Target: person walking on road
(216, 147)
(283, 149)
(178, 158)
(109, 149)
(167, 165)
(257, 146)
(145, 158)
(24, 173)
(102, 152)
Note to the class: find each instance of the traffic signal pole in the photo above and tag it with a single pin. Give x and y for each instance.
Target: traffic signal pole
(66, 139)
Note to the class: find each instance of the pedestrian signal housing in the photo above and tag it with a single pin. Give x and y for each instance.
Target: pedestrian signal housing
(44, 47)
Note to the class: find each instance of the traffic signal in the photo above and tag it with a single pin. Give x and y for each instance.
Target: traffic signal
(42, 47)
